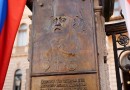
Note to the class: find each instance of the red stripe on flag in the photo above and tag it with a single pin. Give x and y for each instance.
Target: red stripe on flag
(7, 36)
(128, 1)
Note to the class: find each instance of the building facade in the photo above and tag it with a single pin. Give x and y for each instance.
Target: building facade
(16, 75)
(117, 42)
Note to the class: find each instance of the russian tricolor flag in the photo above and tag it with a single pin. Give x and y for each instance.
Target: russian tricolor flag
(10, 16)
(125, 5)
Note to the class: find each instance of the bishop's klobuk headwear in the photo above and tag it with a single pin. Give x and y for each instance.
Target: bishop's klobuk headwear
(66, 7)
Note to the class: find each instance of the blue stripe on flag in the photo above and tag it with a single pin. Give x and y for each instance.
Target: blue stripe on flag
(3, 12)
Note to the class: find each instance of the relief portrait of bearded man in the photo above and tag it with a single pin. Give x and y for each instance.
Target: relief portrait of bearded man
(68, 46)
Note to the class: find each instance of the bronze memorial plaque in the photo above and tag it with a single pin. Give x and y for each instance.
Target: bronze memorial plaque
(63, 42)
(71, 82)
(64, 36)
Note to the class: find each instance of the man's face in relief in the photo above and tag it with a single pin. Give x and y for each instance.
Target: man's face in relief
(61, 25)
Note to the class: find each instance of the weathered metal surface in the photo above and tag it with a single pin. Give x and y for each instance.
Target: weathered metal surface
(64, 36)
(64, 44)
(108, 7)
(70, 82)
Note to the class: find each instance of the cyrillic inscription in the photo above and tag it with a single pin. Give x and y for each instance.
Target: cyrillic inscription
(64, 84)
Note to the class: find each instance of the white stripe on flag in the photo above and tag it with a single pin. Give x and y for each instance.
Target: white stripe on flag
(126, 12)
